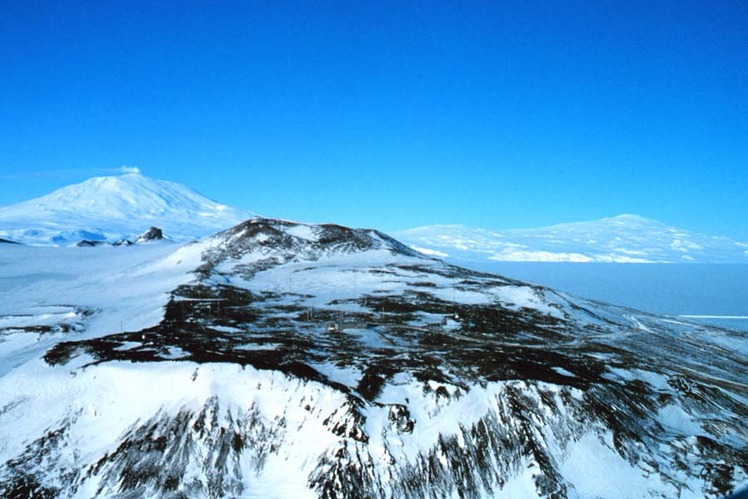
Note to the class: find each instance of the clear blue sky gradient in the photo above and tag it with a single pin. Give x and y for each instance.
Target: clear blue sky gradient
(389, 114)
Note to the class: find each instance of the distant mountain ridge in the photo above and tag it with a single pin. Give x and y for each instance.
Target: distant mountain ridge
(121, 208)
(109, 209)
(621, 239)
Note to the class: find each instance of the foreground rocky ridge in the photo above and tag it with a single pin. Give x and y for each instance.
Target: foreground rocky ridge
(323, 361)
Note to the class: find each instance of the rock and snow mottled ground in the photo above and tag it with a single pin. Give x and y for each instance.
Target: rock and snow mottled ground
(621, 239)
(289, 360)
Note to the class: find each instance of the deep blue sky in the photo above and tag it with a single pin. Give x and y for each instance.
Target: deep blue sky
(500, 114)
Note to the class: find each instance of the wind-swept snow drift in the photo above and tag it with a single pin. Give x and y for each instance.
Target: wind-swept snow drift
(322, 361)
(117, 208)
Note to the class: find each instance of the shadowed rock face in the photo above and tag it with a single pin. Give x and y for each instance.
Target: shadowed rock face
(438, 382)
(152, 234)
(90, 244)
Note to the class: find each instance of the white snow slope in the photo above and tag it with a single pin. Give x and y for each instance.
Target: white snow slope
(115, 208)
(621, 239)
(83, 291)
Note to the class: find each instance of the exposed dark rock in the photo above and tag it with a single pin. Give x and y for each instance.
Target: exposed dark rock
(90, 244)
(152, 234)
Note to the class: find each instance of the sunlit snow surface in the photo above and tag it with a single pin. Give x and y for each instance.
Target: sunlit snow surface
(218, 369)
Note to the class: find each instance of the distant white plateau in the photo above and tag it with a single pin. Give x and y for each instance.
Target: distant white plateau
(620, 239)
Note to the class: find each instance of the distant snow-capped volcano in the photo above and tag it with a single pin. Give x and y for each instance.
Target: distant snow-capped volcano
(116, 208)
(621, 239)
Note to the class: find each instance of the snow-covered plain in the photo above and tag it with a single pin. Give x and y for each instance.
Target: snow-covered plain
(209, 369)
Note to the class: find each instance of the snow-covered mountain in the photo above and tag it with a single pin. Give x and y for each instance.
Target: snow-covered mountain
(278, 359)
(621, 239)
(113, 209)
